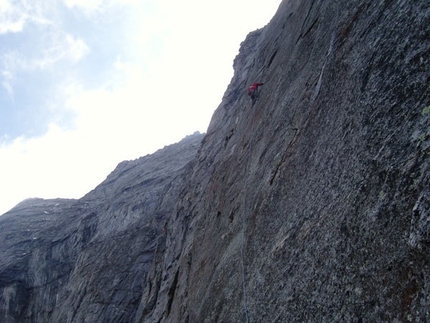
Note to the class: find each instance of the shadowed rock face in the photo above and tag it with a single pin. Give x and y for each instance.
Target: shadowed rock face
(310, 206)
(87, 260)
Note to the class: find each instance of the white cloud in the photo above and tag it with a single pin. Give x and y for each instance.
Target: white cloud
(63, 47)
(91, 4)
(11, 19)
(7, 82)
(11, 62)
(93, 7)
(75, 49)
(15, 14)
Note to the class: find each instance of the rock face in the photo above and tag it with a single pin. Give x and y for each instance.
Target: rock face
(310, 206)
(87, 260)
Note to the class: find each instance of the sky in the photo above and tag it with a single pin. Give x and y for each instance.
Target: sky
(86, 84)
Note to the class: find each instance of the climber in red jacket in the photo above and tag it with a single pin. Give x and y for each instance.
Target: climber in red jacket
(253, 91)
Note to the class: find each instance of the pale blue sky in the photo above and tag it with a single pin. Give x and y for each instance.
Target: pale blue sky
(86, 84)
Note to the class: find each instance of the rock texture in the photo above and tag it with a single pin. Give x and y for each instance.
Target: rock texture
(88, 260)
(310, 206)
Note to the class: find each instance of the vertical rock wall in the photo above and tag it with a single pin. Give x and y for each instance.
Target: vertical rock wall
(312, 205)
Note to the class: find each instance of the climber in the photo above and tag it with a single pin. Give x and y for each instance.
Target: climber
(253, 91)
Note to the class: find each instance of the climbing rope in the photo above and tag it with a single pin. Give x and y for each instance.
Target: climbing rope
(242, 249)
(242, 253)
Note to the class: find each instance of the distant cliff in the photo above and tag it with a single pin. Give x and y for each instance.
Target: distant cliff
(310, 206)
(88, 260)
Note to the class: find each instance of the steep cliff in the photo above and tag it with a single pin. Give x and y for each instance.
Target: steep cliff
(313, 205)
(87, 260)
(310, 206)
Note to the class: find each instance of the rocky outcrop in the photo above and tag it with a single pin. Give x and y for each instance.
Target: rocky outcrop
(88, 260)
(310, 206)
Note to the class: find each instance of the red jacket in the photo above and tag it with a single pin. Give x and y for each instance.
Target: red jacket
(253, 87)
